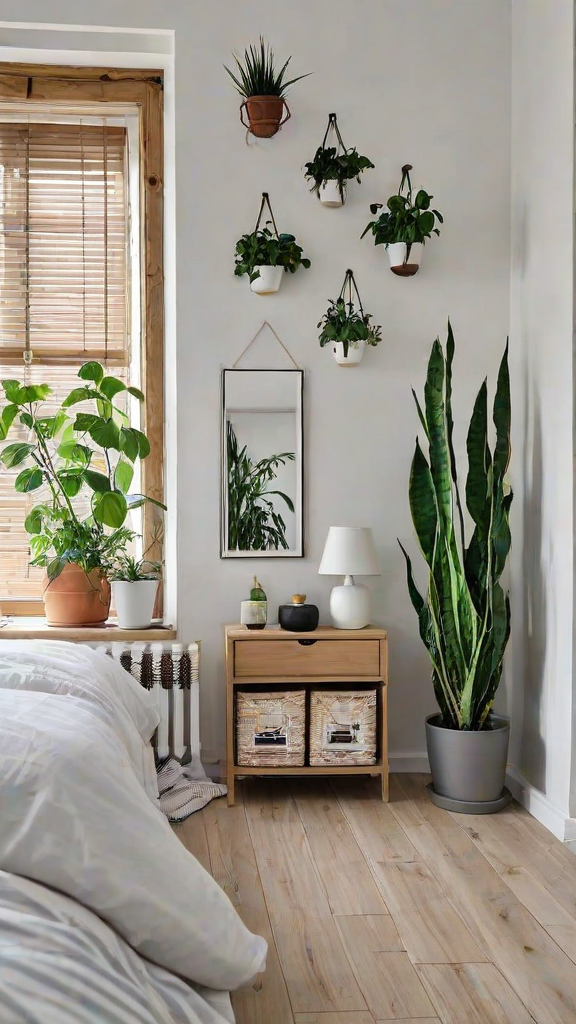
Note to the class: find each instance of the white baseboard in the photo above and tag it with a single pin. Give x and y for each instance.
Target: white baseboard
(408, 763)
(540, 807)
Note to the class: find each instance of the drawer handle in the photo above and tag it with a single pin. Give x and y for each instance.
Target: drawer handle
(307, 643)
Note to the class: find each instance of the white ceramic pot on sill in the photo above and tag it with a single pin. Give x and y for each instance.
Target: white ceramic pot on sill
(399, 264)
(329, 194)
(354, 356)
(268, 281)
(134, 601)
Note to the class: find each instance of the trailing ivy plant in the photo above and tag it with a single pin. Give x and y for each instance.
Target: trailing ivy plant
(70, 454)
(335, 163)
(405, 218)
(345, 323)
(263, 247)
(253, 522)
(464, 619)
(258, 76)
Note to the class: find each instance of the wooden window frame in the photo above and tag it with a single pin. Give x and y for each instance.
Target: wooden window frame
(48, 83)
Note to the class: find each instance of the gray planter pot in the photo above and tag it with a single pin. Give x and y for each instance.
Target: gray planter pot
(468, 768)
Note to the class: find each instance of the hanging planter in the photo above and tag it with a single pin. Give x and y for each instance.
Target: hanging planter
(404, 226)
(263, 90)
(346, 328)
(334, 166)
(265, 253)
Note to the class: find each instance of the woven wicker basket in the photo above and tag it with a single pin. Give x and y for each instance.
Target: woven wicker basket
(343, 727)
(270, 728)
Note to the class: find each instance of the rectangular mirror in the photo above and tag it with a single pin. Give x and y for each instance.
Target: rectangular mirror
(262, 463)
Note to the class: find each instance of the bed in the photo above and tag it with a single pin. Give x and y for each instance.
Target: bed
(104, 916)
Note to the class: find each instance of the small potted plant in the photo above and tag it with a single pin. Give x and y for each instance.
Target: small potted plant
(264, 254)
(347, 328)
(263, 89)
(333, 167)
(464, 617)
(404, 225)
(134, 588)
(82, 466)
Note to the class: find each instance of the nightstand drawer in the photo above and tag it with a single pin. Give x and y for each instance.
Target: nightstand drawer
(327, 658)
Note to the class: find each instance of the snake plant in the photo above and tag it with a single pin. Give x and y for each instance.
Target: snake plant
(464, 620)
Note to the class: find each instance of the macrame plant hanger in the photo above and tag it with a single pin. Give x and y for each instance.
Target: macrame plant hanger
(266, 202)
(266, 323)
(350, 283)
(333, 125)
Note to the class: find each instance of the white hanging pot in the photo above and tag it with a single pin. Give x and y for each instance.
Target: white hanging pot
(355, 353)
(268, 280)
(134, 602)
(402, 265)
(329, 194)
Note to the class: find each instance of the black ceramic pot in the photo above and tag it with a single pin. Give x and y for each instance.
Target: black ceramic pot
(298, 617)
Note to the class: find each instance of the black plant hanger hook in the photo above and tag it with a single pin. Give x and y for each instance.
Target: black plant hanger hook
(333, 125)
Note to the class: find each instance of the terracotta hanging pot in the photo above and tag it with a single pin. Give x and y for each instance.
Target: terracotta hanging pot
(76, 598)
(265, 115)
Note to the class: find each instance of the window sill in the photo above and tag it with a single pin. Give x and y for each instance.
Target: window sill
(34, 628)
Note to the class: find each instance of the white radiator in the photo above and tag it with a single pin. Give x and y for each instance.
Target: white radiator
(171, 673)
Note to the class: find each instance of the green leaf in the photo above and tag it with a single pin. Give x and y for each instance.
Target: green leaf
(9, 413)
(422, 497)
(123, 475)
(110, 386)
(137, 500)
(71, 451)
(477, 496)
(55, 567)
(30, 393)
(143, 443)
(136, 393)
(84, 421)
(97, 481)
(91, 371)
(128, 443)
(110, 509)
(72, 481)
(11, 389)
(33, 521)
(502, 419)
(15, 454)
(106, 434)
(29, 480)
(78, 395)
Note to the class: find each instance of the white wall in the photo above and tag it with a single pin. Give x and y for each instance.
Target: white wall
(427, 82)
(541, 344)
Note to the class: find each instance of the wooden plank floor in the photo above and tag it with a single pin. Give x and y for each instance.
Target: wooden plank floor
(403, 912)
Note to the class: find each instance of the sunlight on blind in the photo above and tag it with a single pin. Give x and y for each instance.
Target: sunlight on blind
(64, 238)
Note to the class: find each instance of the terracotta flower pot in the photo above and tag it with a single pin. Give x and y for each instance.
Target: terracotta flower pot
(264, 115)
(76, 598)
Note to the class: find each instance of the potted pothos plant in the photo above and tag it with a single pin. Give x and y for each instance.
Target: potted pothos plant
(334, 166)
(254, 520)
(464, 618)
(263, 89)
(346, 327)
(81, 464)
(134, 588)
(404, 225)
(265, 253)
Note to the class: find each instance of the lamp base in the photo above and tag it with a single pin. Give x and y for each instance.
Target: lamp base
(350, 605)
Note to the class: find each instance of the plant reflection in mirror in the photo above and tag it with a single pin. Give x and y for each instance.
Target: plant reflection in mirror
(253, 522)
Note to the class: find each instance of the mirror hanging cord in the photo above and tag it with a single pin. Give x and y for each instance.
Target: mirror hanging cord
(266, 323)
(266, 202)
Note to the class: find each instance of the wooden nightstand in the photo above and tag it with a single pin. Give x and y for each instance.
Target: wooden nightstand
(350, 658)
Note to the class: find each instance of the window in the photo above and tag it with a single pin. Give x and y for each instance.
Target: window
(80, 260)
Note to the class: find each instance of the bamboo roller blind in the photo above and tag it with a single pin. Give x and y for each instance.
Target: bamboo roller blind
(64, 231)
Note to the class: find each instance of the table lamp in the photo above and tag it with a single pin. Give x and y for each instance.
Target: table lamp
(349, 551)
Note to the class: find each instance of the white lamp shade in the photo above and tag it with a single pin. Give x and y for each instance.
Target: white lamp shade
(349, 551)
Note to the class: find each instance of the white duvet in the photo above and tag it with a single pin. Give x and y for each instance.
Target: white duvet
(132, 928)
